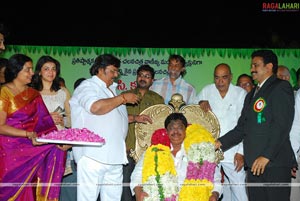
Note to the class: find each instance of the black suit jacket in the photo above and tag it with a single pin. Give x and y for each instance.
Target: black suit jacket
(265, 123)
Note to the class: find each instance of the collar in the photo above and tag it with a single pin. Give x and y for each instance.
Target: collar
(261, 84)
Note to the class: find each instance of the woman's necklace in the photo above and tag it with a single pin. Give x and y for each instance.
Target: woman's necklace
(18, 91)
(25, 98)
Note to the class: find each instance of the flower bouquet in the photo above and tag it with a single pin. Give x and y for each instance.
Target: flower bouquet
(79, 136)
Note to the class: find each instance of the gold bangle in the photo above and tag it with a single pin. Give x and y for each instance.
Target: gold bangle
(29, 137)
(124, 99)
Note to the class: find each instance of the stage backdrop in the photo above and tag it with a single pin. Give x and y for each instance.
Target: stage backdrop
(200, 62)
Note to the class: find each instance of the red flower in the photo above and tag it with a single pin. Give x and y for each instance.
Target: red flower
(160, 136)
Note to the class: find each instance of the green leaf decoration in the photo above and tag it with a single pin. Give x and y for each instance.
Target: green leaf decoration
(125, 51)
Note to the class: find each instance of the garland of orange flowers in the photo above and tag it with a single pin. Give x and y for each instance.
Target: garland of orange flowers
(159, 175)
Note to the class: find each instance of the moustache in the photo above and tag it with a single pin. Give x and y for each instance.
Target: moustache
(142, 82)
(173, 72)
(253, 72)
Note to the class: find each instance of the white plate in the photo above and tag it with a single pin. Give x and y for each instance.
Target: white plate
(70, 142)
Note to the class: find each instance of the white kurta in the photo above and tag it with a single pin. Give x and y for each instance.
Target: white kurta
(112, 126)
(227, 110)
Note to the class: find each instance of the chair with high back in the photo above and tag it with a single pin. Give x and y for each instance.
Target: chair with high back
(158, 114)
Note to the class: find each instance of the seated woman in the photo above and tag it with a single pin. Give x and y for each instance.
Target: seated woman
(28, 168)
(175, 136)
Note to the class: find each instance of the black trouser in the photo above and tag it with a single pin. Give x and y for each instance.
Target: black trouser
(272, 185)
(127, 171)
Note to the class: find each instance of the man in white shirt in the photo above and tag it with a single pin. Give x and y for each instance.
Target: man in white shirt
(96, 106)
(226, 101)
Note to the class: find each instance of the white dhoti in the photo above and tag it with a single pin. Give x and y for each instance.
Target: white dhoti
(295, 186)
(234, 183)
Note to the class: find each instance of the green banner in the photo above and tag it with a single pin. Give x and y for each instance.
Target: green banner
(200, 62)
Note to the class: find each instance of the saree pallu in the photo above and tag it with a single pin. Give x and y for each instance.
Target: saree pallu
(28, 172)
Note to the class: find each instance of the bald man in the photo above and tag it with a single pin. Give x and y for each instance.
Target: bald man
(283, 73)
(226, 101)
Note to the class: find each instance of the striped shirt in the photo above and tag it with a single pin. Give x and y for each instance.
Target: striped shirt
(166, 89)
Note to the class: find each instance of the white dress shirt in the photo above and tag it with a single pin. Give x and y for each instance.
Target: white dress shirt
(227, 110)
(295, 130)
(112, 126)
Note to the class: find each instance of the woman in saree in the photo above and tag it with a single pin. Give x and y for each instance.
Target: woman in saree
(29, 169)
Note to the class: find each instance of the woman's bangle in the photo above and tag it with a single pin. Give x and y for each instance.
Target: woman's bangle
(124, 99)
(29, 137)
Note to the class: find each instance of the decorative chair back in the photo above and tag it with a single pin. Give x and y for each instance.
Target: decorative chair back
(159, 113)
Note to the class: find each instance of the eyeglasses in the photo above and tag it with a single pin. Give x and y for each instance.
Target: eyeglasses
(147, 76)
(247, 84)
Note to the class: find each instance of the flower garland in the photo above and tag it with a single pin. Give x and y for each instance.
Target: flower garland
(199, 146)
(159, 175)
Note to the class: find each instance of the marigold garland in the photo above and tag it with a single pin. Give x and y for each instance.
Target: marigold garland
(160, 175)
(195, 189)
(199, 146)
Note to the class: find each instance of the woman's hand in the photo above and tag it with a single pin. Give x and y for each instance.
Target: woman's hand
(64, 147)
(32, 136)
(57, 118)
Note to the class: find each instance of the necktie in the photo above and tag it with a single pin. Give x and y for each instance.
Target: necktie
(256, 90)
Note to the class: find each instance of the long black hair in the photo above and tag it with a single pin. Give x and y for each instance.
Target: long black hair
(37, 78)
(15, 64)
